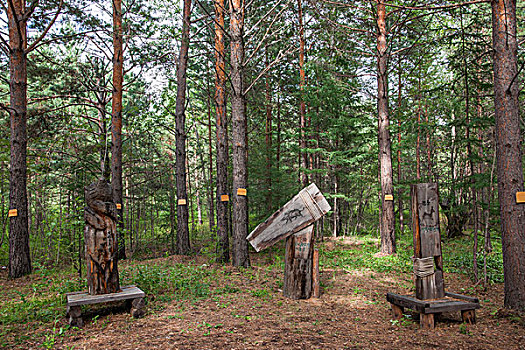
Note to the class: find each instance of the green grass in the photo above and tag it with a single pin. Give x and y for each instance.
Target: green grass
(362, 257)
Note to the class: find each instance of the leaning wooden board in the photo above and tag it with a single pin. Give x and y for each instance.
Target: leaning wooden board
(308, 206)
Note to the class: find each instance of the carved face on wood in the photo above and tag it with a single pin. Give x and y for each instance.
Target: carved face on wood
(427, 212)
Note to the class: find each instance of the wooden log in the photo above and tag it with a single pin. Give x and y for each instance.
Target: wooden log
(315, 278)
(298, 264)
(468, 316)
(427, 239)
(301, 211)
(426, 321)
(397, 311)
(100, 235)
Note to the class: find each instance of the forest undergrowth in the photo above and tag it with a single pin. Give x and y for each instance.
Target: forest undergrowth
(184, 288)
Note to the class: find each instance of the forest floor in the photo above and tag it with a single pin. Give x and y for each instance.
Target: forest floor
(195, 304)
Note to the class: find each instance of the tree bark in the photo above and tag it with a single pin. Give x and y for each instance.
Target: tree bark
(268, 134)
(116, 124)
(19, 253)
(223, 244)
(302, 106)
(183, 235)
(239, 137)
(388, 242)
(508, 150)
(399, 173)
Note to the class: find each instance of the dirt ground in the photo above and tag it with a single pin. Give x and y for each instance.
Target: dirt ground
(352, 313)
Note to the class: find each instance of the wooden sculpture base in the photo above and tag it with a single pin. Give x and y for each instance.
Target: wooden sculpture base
(77, 299)
(428, 308)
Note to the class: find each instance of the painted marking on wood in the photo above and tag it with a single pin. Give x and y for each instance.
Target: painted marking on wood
(241, 191)
(181, 202)
(225, 198)
(389, 197)
(119, 206)
(520, 197)
(13, 212)
(302, 241)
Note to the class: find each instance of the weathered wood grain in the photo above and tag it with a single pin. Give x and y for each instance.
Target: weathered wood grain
(100, 236)
(298, 265)
(427, 238)
(302, 210)
(83, 298)
(315, 278)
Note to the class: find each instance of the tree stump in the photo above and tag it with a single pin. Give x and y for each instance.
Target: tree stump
(298, 264)
(100, 235)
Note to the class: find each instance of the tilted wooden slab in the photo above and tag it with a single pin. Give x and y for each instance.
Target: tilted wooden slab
(83, 298)
(305, 208)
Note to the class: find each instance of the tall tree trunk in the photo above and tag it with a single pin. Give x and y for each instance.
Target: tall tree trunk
(116, 125)
(303, 162)
(19, 254)
(399, 173)
(268, 134)
(183, 234)
(239, 137)
(388, 241)
(508, 149)
(473, 193)
(223, 245)
(211, 197)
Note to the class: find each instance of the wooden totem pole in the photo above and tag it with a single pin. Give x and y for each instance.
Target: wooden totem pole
(100, 235)
(428, 262)
(431, 298)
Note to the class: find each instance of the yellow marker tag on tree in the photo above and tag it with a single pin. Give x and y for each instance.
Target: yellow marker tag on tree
(13, 212)
(389, 197)
(225, 198)
(241, 191)
(181, 202)
(520, 197)
(119, 206)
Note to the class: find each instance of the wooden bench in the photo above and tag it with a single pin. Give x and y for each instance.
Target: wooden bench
(76, 299)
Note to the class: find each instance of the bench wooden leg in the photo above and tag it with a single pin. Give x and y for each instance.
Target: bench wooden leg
(426, 321)
(397, 311)
(75, 316)
(468, 316)
(137, 308)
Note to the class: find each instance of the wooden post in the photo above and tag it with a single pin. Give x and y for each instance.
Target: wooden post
(426, 321)
(298, 264)
(397, 311)
(315, 278)
(100, 235)
(427, 240)
(468, 316)
(74, 314)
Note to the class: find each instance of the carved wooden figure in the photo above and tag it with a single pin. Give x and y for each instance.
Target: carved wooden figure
(428, 263)
(100, 235)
